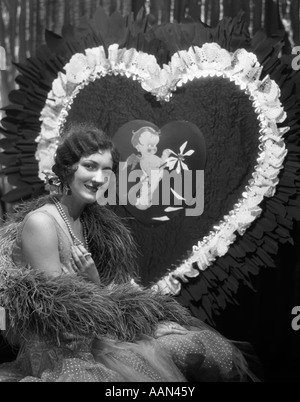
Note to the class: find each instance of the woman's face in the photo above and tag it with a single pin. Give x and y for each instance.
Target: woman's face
(92, 172)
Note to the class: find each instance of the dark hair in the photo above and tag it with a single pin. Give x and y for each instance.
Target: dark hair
(80, 140)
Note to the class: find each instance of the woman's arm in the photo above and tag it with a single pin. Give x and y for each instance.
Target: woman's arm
(40, 249)
(40, 244)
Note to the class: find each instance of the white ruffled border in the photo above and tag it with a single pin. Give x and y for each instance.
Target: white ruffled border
(240, 67)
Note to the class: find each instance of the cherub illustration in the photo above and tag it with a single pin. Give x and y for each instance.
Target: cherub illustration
(145, 141)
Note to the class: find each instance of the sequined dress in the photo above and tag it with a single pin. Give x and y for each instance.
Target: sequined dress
(200, 355)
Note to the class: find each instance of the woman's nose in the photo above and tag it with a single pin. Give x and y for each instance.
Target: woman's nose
(100, 177)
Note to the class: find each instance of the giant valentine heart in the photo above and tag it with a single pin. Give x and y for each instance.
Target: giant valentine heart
(167, 168)
(220, 110)
(221, 95)
(225, 116)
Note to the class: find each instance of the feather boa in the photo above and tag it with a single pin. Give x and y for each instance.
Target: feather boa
(37, 304)
(109, 239)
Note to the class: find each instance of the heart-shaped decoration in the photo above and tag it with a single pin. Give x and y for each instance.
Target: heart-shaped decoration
(161, 171)
(222, 95)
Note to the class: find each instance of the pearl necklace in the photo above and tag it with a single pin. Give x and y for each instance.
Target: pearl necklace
(62, 213)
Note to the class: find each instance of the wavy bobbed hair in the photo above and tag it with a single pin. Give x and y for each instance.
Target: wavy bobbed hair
(77, 141)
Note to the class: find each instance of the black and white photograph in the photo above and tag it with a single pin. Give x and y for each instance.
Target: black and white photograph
(150, 193)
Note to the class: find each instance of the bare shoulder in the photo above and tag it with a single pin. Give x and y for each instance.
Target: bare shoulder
(40, 245)
(39, 222)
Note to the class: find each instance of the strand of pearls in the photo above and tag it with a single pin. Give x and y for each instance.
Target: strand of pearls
(66, 220)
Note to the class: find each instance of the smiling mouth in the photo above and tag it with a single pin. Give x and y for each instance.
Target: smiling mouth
(93, 189)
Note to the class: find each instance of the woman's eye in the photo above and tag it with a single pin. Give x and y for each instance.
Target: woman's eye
(89, 166)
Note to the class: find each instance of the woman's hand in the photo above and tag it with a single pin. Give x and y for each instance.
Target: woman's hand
(168, 328)
(85, 263)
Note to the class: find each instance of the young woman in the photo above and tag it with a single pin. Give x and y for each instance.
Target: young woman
(66, 282)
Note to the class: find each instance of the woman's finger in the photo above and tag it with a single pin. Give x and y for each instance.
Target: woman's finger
(168, 330)
(177, 331)
(76, 257)
(82, 252)
(75, 252)
(74, 265)
(171, 332)
(81, 249)
(178, 327)
(173, 325)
